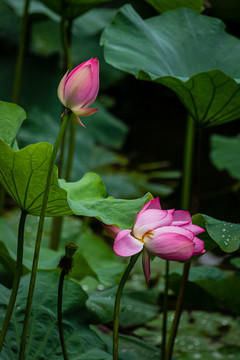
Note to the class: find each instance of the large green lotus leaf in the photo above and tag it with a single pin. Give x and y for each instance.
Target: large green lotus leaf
(166, 5)
(135, 308)
(11, 119)
(23, 173)
(72, 8)
(119, 212)
(225, 154)
(188, 52)
(225, 234)
(43, 340)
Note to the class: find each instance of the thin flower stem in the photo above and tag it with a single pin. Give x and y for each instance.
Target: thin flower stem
(17, 276)
(57, 222)
(56, 230)
(17, 78)
(20, 55)
(187, 165)
(65, 264)
(178, 311)
(190, 198)
(165, 306)
(117, 304)
(66, 39)
(2, 199)
(65, 43)
(60, 325)
(39, 236)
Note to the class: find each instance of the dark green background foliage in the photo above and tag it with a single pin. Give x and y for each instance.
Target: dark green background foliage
(185, 60)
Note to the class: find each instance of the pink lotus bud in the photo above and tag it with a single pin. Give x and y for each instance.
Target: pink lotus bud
(78, 89)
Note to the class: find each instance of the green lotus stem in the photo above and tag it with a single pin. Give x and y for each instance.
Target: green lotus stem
(117, 303)
(165, 308)
(2, 199)
(60, 326)
(187, 165)
(17, 78)
(188, 191)
(20, 55)
(178, 311)
(17, 276)
(66, 264)
(57, 222)
(65, 31)
(39, 235)
(56, 230)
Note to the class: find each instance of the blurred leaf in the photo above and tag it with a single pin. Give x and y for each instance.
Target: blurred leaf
(93, 22)
(101, 257)
(201, 333)
(134, 311)
(35, 7)
(225, 154)
(106, 129)
(8, 242)
(165, 5)
(131, 348)
(48, 259)
(134, 184)
(181, 50)
(81, 267)
(225, 292)
(8, 247)
(43, 340)
(214, 294)
(236, 262)
(45, 38)
(8, 32)
(11, 119)
(90, 155)
(203, 273)
(72, 8)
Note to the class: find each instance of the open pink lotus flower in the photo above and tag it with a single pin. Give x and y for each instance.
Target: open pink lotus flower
(78, 89)
(168, 234)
